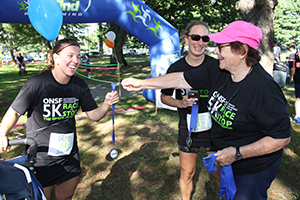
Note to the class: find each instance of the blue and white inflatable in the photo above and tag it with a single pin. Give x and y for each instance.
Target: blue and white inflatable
(133, 16)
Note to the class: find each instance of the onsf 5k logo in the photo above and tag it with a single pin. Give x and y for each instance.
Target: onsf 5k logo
(59, 108)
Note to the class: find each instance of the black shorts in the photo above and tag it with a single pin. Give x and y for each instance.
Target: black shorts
(200, 139)
(297, 90)
(292, 64)
(194, 149)
(58, 171)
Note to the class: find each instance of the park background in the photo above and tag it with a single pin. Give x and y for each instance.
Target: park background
(148, 164)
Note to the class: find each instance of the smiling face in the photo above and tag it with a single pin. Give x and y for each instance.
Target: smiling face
(196, 48)
(67, 61)
(229, 60)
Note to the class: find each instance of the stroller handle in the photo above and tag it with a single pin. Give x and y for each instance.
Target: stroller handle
(27, 141)
(31, 151)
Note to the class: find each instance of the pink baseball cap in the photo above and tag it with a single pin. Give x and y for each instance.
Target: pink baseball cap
(241, 31)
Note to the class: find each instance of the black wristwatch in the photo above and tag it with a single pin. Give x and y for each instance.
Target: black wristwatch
(238, 155)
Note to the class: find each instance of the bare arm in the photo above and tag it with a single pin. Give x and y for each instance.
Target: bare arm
(98, 113)
(261, 147)
(170, 101)
(172, 80)
(9, 120)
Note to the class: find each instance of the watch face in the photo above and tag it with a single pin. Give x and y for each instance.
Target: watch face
(239, 157)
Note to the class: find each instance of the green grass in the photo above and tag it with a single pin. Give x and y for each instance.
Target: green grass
(148, 163)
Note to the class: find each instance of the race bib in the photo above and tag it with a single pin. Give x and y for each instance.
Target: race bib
(60, 144)
(203, 122)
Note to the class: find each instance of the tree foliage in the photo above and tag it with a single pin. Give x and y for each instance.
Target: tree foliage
(217, 13)
(23, 37)
(19, 36)
(286, 22)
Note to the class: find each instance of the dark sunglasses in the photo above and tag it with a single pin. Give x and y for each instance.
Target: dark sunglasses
(197, 37)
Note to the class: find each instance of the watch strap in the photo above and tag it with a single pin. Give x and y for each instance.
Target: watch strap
(238, 154)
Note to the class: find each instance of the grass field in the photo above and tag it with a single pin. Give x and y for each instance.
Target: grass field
(148, 164)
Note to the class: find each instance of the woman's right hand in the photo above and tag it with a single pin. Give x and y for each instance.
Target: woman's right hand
(186, 102)
(3, 143)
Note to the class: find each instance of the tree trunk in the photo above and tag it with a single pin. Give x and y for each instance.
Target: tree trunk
(11, 50)
(117, 55)
(260, 13)
(100, 39)
(48, 45)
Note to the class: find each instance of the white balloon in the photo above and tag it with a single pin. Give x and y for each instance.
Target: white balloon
(111, 36)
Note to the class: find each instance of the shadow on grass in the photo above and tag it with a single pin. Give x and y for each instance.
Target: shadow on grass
(148, 164)
(122, 177)
(287, 182)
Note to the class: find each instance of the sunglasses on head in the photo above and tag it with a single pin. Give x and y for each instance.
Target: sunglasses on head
(197, 37)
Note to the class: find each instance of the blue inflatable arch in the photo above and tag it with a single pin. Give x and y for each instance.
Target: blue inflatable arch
(132, 15)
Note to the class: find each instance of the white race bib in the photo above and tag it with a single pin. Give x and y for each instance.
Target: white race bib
(203, 122)
(60, 144)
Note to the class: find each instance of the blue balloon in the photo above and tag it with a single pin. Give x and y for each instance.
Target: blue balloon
(46, 17)
(149, 94)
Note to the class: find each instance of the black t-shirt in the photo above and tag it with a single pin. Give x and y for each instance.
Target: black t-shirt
(297, 71)
(20, 59)
(244, 112)
(51, 108)
(203, 138)
(297, 75)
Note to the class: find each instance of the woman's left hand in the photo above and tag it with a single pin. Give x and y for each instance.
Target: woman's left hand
(226, 156)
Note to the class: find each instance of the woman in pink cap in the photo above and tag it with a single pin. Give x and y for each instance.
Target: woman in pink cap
(250, 123)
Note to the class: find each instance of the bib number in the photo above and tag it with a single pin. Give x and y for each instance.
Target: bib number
(203, 122)
(60, 144)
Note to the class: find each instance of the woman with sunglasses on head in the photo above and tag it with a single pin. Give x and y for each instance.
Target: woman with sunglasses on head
(195, 36)
(250, 122)
(51, 100)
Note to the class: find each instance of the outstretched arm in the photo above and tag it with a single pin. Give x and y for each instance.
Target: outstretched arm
(172, 80)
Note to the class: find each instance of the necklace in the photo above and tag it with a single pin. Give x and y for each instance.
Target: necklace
(236, 91)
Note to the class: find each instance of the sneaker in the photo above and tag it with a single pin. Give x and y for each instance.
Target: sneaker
(297, 120)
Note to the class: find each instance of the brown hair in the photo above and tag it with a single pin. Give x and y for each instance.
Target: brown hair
(192, 24)
(58, 47)
(252, 57)
(292, 45)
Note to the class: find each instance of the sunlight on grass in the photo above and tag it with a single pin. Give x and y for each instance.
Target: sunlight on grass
(291, 154)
